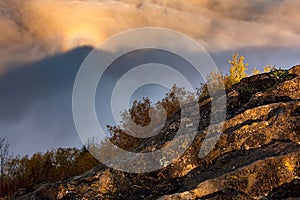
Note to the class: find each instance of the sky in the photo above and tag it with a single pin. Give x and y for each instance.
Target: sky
(43, 43)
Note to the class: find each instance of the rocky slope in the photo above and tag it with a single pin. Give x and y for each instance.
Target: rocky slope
(256, 157)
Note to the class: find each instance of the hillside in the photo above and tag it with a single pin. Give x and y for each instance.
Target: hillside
(256, 157)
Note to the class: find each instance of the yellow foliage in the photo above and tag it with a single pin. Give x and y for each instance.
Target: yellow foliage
(237, 70)
(216, 81)
(268, 68)
(255, 71)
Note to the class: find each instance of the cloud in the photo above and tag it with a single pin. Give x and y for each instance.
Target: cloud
(36, 103)
(33, 29)
(40, 55)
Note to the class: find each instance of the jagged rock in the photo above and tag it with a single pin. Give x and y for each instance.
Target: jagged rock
(45, 192)
(257, 172)
(286, 190)
(257, 156)
(295, 70)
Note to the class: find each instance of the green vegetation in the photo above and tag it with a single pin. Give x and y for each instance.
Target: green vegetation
(280, 75)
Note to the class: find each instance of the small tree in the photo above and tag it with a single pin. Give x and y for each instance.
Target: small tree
(214, 83)
(144, 119)
(237, 70)
(4, 154)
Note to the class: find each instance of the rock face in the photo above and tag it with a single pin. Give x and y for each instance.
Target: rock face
(256, 157)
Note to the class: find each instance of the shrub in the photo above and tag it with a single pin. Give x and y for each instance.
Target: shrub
(237, 70)
(214, 82)
(280, 75)
(269, 68)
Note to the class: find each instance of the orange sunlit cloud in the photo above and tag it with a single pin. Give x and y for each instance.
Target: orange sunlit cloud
(38, 28)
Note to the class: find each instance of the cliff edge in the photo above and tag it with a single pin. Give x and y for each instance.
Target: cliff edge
(256, 157)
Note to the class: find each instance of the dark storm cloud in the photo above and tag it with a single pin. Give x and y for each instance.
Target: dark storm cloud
(21, 88)
(36, 103)
(35, 93)
(36, 99)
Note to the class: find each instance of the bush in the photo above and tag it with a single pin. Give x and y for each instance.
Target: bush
(237, 70)
(139, 118)
(214, 82)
